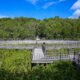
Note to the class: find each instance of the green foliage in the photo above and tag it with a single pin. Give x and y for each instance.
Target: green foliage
(28, 28)
(14, 63)
(18, 28)
(57, 28)
(57, 71)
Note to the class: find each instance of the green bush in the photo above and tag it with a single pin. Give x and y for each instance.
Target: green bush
(16, 65)
(57, 71)
(29, 28)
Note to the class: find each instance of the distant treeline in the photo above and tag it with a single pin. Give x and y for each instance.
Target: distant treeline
(29, 28)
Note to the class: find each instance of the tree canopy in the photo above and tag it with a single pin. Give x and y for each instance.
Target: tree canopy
(29, 28)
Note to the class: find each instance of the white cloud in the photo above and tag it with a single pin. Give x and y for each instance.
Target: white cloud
(76, 14)
(48, 4)
(2, 16)
(32, 1)
(76, 5)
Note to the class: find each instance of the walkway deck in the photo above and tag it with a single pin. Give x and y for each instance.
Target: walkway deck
(39, 57)
(37, 54)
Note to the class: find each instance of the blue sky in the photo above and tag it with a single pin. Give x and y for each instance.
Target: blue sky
(40, 9)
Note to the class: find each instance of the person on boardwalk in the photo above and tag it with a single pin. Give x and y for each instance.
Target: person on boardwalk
(44, 47)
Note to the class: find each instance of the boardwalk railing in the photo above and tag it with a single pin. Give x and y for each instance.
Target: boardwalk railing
(54, 45)
(50, 57)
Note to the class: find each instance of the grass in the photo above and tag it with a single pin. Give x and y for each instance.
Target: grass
(15, 61)
(56, 52)
(16, 65)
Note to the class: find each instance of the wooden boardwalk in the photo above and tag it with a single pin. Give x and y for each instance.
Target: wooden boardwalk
(37, 52)
(39, 57)
(52, 59)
